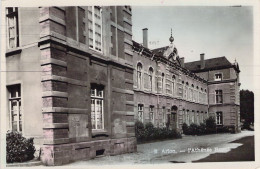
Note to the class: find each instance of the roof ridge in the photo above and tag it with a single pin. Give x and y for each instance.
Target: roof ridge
(210, 59)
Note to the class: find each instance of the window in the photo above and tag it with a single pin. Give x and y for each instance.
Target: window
(198, 118)
(192, 116)
(97, 108)
(173, 85)
(151, 78)
(140, 112)
(139, 75)
(162, 82)
(183, 116)
(95, 27)
(12, 27)
(219, 96)
(15, 108)
(218, 77)
(151, 113)
(164, 116)
(202, 117)
(187, 117)
(219, 116)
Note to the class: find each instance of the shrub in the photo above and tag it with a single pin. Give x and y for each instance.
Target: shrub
(185, 129)
(18, 148)
(202, 129)
(223, 129)
(139, 130)
(148, 132)
(193, 129)
(210, 125)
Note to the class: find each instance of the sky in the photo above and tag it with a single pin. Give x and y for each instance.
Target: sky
(216, 31)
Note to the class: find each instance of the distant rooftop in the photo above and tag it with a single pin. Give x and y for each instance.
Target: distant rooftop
(210, 64)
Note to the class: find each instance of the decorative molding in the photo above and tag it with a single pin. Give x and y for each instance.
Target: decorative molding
(55, 94)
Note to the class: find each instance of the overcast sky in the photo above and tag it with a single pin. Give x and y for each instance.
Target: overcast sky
(215, 31)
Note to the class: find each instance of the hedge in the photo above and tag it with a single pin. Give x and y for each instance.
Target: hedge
(148, 132)
(208, 127)
(18, 148)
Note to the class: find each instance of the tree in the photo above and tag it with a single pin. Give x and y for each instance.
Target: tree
(247, 107)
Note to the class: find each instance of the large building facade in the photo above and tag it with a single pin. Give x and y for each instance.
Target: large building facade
(169, 92)
(77, 82)
(70, 80)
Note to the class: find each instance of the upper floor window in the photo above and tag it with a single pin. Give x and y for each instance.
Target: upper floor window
(97, 107)
(139, 75)
(219, 118)
(173, 85)
(95, 27)
(15, 107)
(162, 82)
(151, 78)
(140, 112)
(12, 27)
(218, 76)
(219, 96)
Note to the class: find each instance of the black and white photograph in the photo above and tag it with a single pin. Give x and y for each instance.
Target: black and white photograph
(130, 85)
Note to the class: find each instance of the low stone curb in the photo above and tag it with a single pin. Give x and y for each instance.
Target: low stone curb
(25, 164)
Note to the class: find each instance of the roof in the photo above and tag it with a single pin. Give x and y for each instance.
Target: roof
(210, 64)
(159, 51)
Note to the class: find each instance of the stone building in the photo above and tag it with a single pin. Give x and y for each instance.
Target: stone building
(169, 92)
(70, 80)
(77, 82)
(223, 89)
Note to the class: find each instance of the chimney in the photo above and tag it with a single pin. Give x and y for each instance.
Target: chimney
(202, 61)
(182, 62)
(145, 37)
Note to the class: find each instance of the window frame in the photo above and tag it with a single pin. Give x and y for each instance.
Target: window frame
(151, 111)
(150, 74)
(219, 96)
(162, 81)
(18, 100)
(218, 79)
(140, 109)
(15, 26)
(219, 118)
(94, 29)
(139, 69)
(164, 118)
(97, 98)
(173, 85)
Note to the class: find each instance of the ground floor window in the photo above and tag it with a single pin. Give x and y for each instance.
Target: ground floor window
(97, 108)
(187, 117)
(164, 116)
(140, 112)
(219, 118)
(151, 113)
(15, 107)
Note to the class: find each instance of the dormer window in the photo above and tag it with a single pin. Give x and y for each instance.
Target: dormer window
(218, 76)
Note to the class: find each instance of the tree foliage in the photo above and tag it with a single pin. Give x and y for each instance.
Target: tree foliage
(247, 107)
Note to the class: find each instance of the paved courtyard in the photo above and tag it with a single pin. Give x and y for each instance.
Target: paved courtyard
(187, 149)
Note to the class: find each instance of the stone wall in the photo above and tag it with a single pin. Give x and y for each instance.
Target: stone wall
(69, 71)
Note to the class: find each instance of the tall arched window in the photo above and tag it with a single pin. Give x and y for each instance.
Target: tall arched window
(187, 96)
(162, 82)
(173, 85)
(139, 75)
(151, 78)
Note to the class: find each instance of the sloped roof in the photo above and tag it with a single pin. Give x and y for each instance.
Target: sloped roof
(159, 51)
(210, 64)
